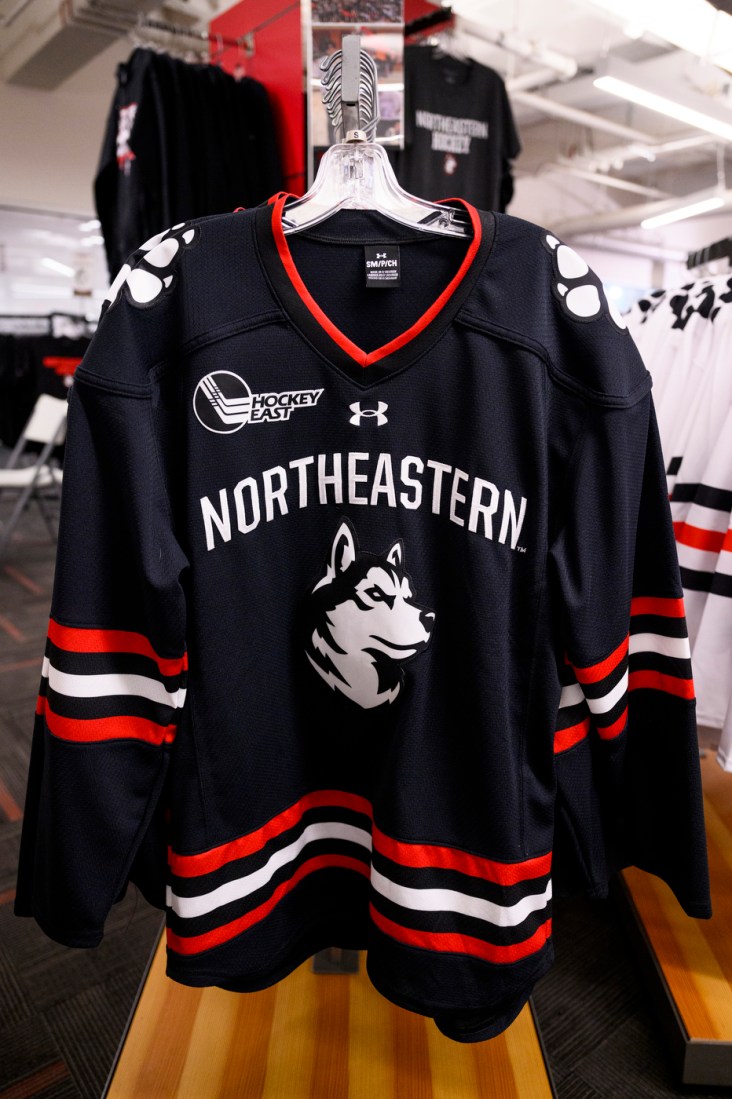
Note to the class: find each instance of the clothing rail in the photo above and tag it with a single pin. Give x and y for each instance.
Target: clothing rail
(44, 324)
(121, 20)
(436, 18)
(721, 249)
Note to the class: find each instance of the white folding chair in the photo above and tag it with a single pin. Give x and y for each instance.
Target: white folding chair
(37, 479)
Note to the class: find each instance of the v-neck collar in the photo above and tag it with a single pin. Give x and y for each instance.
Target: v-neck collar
(302, 309)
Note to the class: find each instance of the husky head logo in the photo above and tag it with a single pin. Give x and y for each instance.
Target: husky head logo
(363, 623)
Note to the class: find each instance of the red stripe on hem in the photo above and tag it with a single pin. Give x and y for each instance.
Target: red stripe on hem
(432, 856)
(91, 730)
(699, 538)
(593, 673)
(196, 944)
(366, 358)
(657, 681)
(649, 604)
(76, 639)
(190, 866)
(453, 943)
(573, 734)
(610, 732)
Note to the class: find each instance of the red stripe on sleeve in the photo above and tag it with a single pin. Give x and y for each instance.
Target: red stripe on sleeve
(82, 640)
(190, 866)
(450, 942)
(593, 673)
(573, 734)
(92, 730)
(195, 944)
(609, 732)
(424, 856)
(657, 681)
(699, 538)
(648, 604)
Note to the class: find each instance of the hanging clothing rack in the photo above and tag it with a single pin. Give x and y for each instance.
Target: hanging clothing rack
(120, 20)
(223, 41)
(42, 324)
(721, 249)
(437, 18)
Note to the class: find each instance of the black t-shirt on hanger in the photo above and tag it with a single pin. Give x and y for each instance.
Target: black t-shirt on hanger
(459, 130)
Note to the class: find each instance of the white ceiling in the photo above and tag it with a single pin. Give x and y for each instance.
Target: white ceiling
(50, 137)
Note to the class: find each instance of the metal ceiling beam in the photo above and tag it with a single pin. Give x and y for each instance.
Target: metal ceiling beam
(530, 80)
(617, 156)
(566, 167)
(565, 67)
(43, 43)
(626, 216)
(580, 118)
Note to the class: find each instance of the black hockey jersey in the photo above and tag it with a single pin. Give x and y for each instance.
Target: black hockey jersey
(367, 623)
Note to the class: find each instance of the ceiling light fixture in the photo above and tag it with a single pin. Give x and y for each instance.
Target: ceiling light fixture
(669, 107)
(680, 213)
(54, 265)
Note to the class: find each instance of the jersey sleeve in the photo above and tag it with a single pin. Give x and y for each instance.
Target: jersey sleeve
(114, 673)
(626, 749)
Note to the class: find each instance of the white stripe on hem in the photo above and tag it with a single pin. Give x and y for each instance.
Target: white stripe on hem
(189, 907)
(450, 900)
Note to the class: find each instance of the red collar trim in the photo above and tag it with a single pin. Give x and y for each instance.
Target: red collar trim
(366, 358)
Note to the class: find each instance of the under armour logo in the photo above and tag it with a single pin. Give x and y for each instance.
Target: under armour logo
(381, 255)
(362, 413)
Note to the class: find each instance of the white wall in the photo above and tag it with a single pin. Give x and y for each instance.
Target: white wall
(50, 140)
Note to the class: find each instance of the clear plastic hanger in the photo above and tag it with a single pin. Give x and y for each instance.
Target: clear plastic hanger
(356, 174)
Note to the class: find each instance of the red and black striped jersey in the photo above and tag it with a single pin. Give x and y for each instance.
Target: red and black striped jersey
(367, 628)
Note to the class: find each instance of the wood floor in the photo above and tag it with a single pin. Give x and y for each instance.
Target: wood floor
(313, 1036)
(692, 959)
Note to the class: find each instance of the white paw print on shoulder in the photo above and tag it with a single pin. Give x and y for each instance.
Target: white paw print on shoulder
(154, 271)
(577, 287)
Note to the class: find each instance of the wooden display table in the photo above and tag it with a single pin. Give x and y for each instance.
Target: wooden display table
(310, 1037)
(690, 961)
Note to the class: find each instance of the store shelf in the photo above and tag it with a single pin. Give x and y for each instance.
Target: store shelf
(689, 962)
(331, 1036)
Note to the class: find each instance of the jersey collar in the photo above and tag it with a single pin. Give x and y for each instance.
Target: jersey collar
(300, 306)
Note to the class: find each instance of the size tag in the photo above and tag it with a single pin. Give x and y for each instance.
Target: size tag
(382, 265)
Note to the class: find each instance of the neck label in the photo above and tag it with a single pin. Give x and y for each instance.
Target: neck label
(383, 267)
